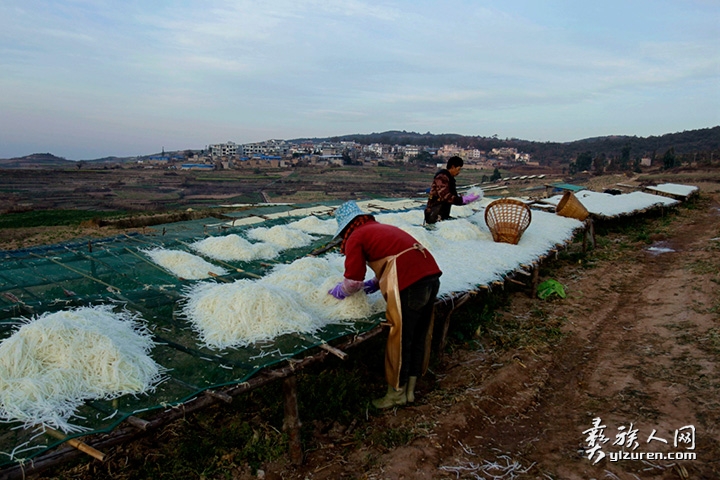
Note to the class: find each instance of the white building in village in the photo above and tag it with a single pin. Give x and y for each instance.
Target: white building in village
(225, 149)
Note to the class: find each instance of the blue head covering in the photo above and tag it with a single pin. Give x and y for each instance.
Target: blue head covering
(345, 214)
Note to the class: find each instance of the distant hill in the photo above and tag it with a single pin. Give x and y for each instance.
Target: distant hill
(48, 160)
(701, 140)
(37, 160)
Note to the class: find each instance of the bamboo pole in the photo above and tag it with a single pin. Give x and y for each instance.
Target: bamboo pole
(79, 272)
(75, 443)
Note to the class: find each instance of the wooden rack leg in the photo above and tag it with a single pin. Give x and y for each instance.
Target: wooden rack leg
(292, 423)
(535, 281)
(445, 328)
(589, 234)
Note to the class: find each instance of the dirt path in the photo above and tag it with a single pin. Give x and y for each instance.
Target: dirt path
(641, 354)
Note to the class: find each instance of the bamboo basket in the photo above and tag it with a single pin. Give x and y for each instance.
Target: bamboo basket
(507, 219)
(570, 206)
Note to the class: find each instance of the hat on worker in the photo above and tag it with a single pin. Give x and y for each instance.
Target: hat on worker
(345, 214)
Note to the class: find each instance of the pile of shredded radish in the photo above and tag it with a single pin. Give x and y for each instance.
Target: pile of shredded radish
(282, 236)
(234, 247)
(56, 361)
(401, 219)
(607, 205)
(292, 298)
(183, 264)
(313, 224)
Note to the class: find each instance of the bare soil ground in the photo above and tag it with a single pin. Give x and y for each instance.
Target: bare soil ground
(637, 347)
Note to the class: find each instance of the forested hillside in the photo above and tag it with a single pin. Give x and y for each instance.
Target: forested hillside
(703, 142)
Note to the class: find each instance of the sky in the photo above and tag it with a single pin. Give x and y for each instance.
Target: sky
(86, 79)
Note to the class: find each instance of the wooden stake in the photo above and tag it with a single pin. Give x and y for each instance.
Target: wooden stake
(292, 424)
(138, 423)
(219, 395)
(335, 351)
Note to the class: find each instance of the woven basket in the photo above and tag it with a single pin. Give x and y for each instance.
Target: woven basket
(570, 206)
(507, 219)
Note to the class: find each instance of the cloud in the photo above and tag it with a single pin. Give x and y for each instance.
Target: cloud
(235, 69)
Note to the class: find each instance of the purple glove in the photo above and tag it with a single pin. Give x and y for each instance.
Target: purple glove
(469, 198)
(371, 286)
(338, 292)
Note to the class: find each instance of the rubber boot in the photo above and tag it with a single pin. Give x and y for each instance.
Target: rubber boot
(410, 391)
(392, 398)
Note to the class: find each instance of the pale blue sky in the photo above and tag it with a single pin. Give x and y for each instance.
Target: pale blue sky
(90, 78)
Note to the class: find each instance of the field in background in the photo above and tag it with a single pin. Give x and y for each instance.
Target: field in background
(161, 190)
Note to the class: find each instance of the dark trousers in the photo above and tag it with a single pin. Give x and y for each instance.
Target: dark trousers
(417, 302)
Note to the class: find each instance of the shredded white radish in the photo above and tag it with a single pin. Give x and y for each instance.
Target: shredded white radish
(313, 277)
(243, 312)
(463, 211)
(183, 264)
(674, 189)
(460, 229)
(281, 235)
(402, 219)
(55, 362)
(234, 247)
(292, 298)
(313, 224)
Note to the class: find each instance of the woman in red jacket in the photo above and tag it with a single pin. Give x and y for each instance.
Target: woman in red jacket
(408, 277)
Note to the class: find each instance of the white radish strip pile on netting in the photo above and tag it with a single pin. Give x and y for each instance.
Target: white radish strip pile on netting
(235, 248)
(461, 229)
(282, 236)
(674, 189)
(183, 264)
(244, 312)
(463, 211)
(469, 263)
(292, 298)
(313, 277)
(607, 205)
(402, 219)
(313, 224)
(53, 363)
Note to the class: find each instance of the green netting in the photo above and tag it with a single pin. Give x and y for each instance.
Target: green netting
(115, 270)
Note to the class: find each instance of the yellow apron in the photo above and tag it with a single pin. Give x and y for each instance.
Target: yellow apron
(386, 272)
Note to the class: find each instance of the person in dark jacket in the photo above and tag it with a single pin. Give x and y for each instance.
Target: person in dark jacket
(408, 277)
(443, 192)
